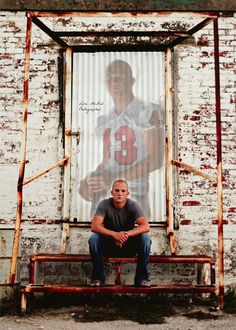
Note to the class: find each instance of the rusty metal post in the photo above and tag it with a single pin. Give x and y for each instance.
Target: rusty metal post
(23, 154)
(34, 177)
(169, 181)
(219, 167)
(23, 301)
(117, 273)
(213, 276)
(67, 167)
(32, 271)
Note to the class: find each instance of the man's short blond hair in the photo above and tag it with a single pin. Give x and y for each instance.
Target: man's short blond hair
(119, 181)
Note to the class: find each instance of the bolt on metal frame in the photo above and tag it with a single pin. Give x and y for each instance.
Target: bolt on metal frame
(168, 48)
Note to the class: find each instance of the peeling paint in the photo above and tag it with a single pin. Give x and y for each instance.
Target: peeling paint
(203, 41)
(175, 26)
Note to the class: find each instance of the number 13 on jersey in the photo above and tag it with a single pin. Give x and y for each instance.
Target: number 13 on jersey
(128, 151)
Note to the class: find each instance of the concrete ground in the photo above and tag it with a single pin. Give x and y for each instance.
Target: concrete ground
(122, 312)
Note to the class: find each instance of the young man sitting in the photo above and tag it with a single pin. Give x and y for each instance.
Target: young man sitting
(115, 234)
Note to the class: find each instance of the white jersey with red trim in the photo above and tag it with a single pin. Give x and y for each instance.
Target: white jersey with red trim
(123, 136)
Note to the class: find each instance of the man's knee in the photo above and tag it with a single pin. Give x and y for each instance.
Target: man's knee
(145, 240)
(94, 239)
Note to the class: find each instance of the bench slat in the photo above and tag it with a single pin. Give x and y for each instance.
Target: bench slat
(152, 259)
(119, 288)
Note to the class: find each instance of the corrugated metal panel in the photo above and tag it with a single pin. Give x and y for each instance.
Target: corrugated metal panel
(114, 144)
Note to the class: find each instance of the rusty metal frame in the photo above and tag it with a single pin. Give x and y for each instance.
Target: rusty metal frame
(65, 161)
(15, 249)
(208, 17)
(219, 166)
(169, 148)
(68, 142)
(180, 35)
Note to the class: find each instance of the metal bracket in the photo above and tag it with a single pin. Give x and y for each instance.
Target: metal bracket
(69, 133)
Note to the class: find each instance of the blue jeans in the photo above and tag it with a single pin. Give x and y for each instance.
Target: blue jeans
(104, 246)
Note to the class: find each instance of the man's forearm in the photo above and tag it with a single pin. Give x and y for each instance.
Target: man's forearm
(138, 230)
(101, 230)
(119, 237)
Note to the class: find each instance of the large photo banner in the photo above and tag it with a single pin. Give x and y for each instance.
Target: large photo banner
(118, 109)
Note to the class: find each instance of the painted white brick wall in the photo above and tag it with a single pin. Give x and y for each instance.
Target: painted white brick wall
(196, 198)
(42, 198)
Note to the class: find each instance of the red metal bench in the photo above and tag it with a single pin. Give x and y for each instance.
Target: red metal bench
(118, 287)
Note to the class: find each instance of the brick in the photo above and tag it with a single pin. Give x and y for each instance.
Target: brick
(191, 203)
(185, 222)
(215, 222)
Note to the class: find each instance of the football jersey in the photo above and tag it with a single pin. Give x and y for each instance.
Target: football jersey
(123, 139)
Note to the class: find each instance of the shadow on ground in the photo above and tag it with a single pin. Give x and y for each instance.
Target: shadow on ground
(137, 309)
(142, 309)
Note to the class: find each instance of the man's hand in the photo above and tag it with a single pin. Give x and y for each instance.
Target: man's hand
(96, 182)
(120, 238)
(93, 186)
(85, 191)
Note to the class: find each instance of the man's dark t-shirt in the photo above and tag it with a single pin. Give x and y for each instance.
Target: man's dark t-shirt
(119, 219)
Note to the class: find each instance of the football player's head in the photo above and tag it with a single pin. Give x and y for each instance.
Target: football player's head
(119, 78)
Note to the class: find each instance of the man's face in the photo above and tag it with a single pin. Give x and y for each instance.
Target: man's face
(119, 81)
(120, 193)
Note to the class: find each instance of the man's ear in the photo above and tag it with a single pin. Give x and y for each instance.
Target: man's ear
(133, 81)
(111, 193)
(127, 193)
